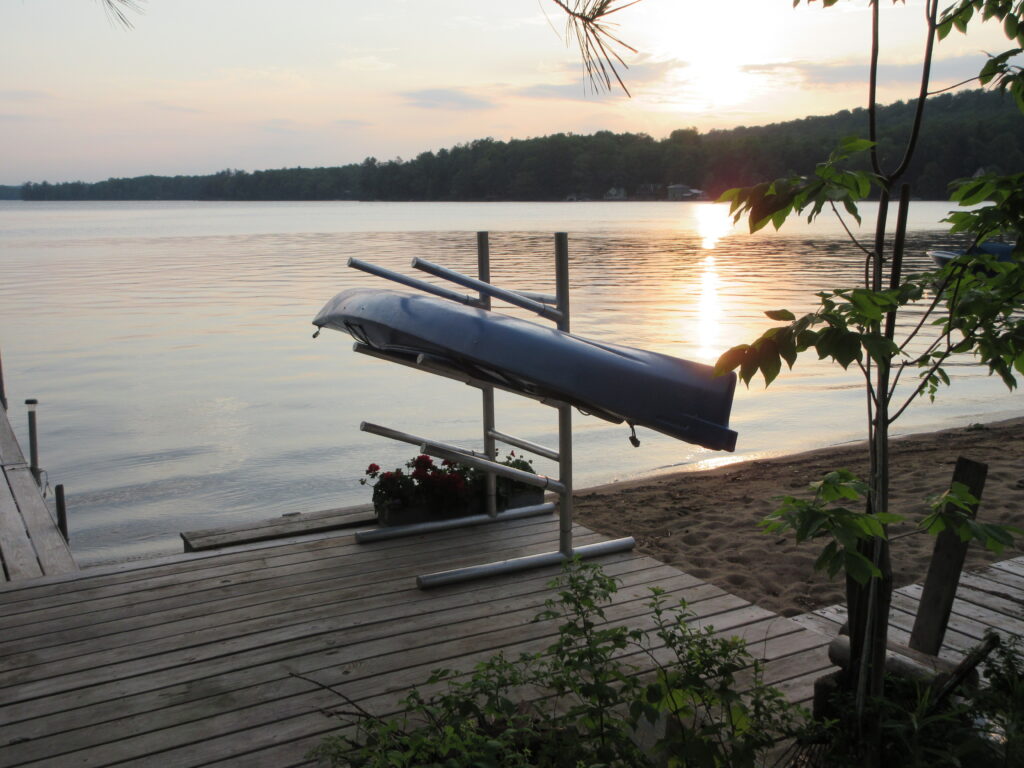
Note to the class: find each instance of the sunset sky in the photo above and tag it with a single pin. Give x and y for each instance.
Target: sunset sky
(202, 85)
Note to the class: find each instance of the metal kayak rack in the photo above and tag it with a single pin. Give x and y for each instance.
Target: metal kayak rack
(550, 307)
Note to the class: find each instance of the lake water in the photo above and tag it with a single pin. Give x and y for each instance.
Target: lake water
(170, 346)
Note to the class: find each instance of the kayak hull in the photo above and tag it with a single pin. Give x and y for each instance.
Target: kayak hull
(676, 397)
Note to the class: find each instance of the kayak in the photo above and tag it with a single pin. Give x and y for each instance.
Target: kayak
(1002, 252)
(676, 397)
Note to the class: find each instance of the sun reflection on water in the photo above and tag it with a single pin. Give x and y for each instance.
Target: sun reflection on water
(713, 223)
(709, 319)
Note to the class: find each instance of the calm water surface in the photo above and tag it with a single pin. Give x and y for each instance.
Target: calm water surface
(170, 346)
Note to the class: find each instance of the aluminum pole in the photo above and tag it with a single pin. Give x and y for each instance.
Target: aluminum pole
(565, 511)
(511, 297)
(412, 282)
(483, 269)
(456, 575)
(431, 526)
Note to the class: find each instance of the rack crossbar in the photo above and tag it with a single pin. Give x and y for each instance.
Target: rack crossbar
(511, 297)
(440, 367)
(432, 526)
(405, 437)
(526, 445)
(412, 282)
(458, 575)
(543, 298)
(442, 451)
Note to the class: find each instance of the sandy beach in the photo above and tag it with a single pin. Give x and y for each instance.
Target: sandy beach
(706, 523)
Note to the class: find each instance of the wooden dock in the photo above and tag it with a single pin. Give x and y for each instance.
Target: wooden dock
(30, 543)
(988, 599)
(195, 659)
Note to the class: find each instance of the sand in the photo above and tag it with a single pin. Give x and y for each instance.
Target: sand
(706, 523)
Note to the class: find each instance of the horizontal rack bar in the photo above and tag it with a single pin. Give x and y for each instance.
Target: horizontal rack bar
(405, 437)
(412, 282)
(526, 445)
(441, 451)
(543, 298)
(456, 575)
(511, 297)
(439, 367)
(397, 531)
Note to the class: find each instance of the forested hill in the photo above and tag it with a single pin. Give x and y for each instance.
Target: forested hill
(963, 133)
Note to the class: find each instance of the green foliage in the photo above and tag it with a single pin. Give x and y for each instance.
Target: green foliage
(824, 517)
(917, 731)
(831, 184)
(581, 703)
(998, 708)
(1003, 218)
(954, 510)
(845, 329)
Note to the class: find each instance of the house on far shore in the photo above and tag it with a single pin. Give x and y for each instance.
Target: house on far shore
(615, 193)
(683, 192)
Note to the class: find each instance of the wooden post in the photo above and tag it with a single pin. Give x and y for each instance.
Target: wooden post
(33, 439)
(3, 392)
(62, 511)
(944, 570)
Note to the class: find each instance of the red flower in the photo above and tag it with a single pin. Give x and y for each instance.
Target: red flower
(372, 470)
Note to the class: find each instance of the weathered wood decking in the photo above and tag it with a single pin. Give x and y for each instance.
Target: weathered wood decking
(295, 524)
(990, 598)
(30, 543)
(192, 660)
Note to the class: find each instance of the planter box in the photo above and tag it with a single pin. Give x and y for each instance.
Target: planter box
(391, 514)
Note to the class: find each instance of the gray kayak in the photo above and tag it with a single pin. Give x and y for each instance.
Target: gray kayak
(676, 397)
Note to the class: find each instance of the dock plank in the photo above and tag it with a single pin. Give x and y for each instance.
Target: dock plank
(286, 525)
(10, 451)
(51, 548)
(17, 556)
(222, 657)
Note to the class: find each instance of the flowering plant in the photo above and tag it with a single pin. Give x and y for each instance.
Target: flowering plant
(448, 486)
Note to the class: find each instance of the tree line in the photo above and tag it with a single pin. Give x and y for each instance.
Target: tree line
(965, 133)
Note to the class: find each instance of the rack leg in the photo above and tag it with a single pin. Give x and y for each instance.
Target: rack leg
(458, 575)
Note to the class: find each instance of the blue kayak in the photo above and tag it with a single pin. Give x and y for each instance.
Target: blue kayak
(676, 397)
(1002, 252)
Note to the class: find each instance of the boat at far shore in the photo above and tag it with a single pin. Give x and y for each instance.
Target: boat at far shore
(1002, 252)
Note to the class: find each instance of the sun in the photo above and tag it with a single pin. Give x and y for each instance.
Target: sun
(710, 48)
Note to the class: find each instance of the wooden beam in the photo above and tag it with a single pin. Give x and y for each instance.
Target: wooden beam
(944, 569)
(51, 549)
(17, 557)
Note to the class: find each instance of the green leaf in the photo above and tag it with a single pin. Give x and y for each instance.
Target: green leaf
(1010, 26)
(731, 359)
(749, 365)
(770, 362)
(783, 315)
(858, 567)
(852, 144)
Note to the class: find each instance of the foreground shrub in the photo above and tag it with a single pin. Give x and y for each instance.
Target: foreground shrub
(583, 702)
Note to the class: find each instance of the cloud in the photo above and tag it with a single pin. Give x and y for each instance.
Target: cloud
(344, 123)
(177, 108)
(943, 70)
(14, 95)
(446, 98)
(369, 62)
(278, 125)
(645, 72)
